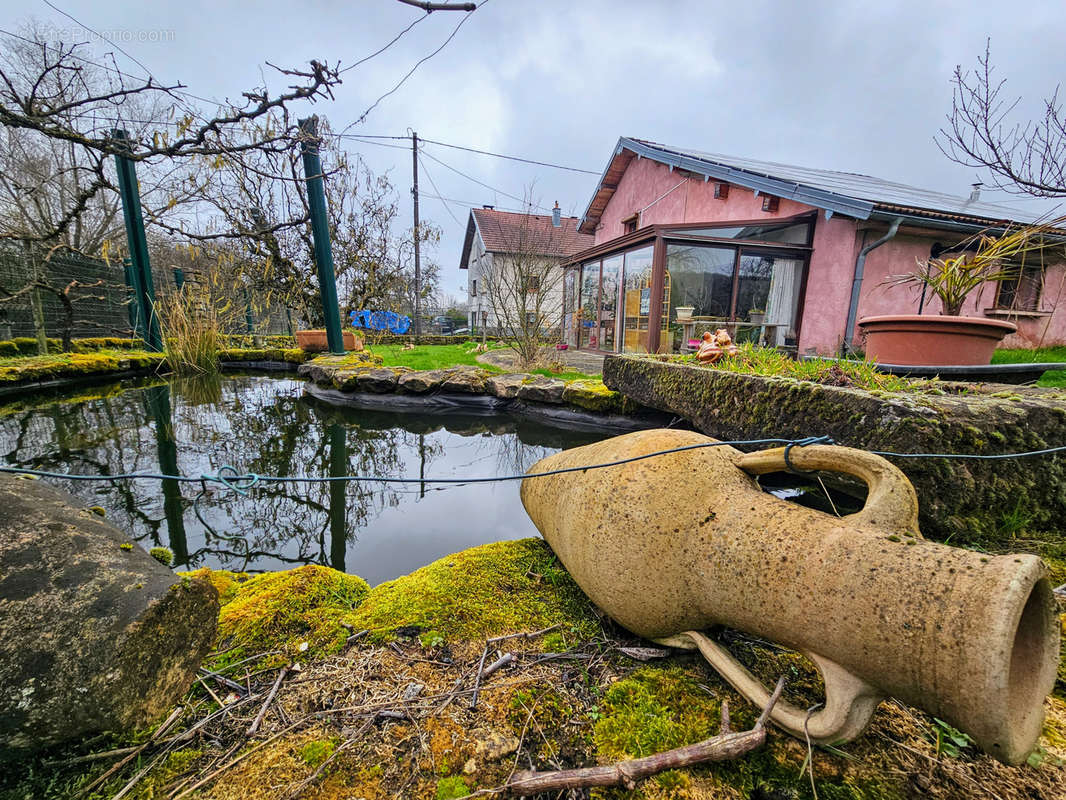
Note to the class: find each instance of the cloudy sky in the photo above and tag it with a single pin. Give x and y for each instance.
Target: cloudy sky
(853, 86)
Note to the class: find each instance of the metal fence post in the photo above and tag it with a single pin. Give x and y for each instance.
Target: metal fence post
(316, 201)
(133, 308)
(131, 211)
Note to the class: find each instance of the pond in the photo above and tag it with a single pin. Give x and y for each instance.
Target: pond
(266, 425)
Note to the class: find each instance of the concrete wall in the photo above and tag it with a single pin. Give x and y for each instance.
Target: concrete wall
(836, 245)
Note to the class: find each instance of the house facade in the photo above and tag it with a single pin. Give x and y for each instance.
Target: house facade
(685, 241)
(512, 264)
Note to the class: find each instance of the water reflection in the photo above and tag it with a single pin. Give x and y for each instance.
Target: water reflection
(265, 425)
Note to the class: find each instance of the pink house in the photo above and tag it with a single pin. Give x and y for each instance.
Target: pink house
(788, 256)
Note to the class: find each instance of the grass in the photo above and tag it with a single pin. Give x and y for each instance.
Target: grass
(429, 356)
(1016, 356)
(753, 360)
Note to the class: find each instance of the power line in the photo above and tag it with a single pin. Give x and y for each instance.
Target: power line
(411, 71)
(118, 47)
(485, 185)
(433, 183)
(511, 158)
(386, 47)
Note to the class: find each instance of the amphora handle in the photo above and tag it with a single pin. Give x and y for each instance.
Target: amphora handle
(891, 504)
(849, 701)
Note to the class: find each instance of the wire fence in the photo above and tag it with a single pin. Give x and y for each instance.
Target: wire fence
(99, 301)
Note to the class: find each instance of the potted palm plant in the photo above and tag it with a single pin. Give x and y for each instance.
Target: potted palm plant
(950, 337)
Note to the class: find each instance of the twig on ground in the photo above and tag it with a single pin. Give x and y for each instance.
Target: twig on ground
(499, 663)
(229, 684)
(725, 746)
(215, 773)
(136, 751)
(314, 776)
(266, 703)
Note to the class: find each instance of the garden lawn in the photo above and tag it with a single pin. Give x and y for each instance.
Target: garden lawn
(1051, 377)
(429, 356)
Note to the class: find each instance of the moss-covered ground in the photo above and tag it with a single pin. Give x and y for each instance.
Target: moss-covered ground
(378, 704)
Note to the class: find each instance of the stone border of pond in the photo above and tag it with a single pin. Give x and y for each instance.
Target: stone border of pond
(969, 501)
(482, 404)
(359, 380)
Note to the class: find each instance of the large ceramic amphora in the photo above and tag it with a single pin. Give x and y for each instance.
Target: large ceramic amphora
(673, 544)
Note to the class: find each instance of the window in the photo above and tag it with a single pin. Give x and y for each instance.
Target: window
(1022, 292)
(473, 288)
(783, 232)
(721, 191)
(629, 224)
(769, 203)
(531, 319)
(531, 283)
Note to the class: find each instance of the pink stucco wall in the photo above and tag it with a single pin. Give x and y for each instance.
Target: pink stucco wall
(645, 180)
(836, 245)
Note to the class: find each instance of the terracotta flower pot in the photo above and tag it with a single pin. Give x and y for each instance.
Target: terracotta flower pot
(315, 341)
(915, 339)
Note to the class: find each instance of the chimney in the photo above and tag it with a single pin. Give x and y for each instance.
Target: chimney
(557, 219)
(975, 193)
(489, 208)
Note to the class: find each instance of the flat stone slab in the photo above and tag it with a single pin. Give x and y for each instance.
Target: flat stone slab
(966, 499)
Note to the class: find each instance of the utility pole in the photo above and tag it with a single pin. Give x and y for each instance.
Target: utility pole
(418, 261)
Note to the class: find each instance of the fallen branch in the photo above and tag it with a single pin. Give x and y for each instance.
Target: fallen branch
(499, 663)
(136, 751)
(266, 703)
(725, 746)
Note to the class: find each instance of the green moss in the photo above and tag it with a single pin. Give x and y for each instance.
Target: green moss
(317, 750)
(61, 365)
(484, 591)
(125, 546)
(164, 555)
(654, 710)
(281, 610)
(226, 583)
(100, 511)
(451, 788)
(593, 396)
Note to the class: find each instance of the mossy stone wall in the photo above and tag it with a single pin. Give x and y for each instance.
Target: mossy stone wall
(970, 501)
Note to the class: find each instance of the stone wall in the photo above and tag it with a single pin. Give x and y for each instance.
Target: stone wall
(970, 501)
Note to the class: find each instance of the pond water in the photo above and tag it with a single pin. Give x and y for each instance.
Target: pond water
(266, 425)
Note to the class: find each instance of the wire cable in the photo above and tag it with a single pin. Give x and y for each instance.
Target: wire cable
(432, 183)
(485, 185)
(509, 158)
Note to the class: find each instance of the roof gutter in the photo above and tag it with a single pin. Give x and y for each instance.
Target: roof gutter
(856, 282)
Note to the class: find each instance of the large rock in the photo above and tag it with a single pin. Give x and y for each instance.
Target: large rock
(506, 386)
(380, 380)
(423, 381)
(968, 500)
(95, 634)
(466, 381)
(542, 390)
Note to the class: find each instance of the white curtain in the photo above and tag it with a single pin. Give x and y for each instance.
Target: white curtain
(781, 302)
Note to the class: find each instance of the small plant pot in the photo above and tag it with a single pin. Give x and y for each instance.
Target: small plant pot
(684, 313)
(919, 340)
(756, 317)
(562, 347)
(315, 341)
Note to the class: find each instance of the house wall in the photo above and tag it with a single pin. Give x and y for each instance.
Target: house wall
(836, 245)
(645, 180)
(480, 266)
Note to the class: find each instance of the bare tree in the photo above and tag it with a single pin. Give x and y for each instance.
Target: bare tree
(524, 286)
(1023, 157)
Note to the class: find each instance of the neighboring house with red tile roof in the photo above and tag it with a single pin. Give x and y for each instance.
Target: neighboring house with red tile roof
(498, 246)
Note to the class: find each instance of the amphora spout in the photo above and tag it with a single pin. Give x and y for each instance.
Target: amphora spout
(671, 545)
